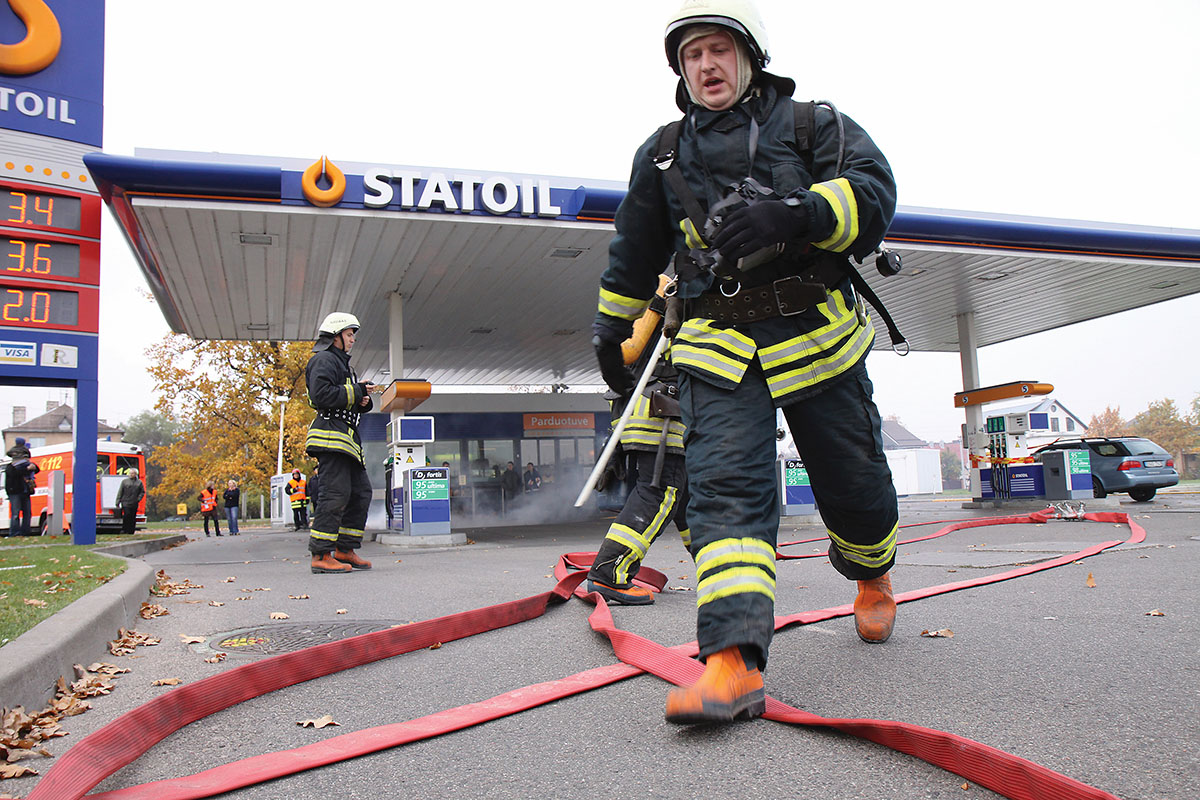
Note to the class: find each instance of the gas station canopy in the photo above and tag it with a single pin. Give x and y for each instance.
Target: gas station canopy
(498, 274)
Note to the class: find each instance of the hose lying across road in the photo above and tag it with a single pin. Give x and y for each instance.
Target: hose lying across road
(134, 733)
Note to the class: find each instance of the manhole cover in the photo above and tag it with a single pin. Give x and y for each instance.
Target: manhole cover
(285, 637)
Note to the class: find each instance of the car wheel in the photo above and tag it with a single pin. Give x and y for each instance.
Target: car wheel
(1098, 489)
(1142, 495)
(41, 526)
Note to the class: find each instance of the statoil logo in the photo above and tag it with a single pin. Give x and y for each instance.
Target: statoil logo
(323, 197)
(43, 39)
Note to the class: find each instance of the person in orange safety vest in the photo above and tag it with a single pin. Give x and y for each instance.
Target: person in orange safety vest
(297, 489)
(208, 509)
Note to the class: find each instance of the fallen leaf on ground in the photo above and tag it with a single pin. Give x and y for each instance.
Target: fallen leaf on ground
(106, 669)
(319, 722)
(1091, 582)
(186, 639)
(215, 603)
(230, 579)
(681, 588)
(965, 786)
(35, 602)
(942, 633)
(1154, 612)
(243, 598)
(217, 658)
(165, 587)
(150, 610)
(278, 615)
(15, 771)
(167, 682)
(297, 597)
(435, 645)
(341, 611)
(127, 640)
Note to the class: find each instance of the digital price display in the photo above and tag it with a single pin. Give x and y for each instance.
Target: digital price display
(48, 306)
(39, 259)
(40, 209)
(31, 207)
(32, 306)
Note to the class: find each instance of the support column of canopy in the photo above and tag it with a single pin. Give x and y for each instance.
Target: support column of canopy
(968, 353)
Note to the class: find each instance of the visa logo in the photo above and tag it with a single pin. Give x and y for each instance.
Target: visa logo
(18, 353)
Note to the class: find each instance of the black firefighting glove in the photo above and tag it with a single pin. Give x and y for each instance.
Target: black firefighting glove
(763, 224)
(612, 365)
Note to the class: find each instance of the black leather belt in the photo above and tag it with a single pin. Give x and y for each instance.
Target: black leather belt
(781, 298)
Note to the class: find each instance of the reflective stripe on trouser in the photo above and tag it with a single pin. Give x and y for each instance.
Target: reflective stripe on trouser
(734, 505)
(342, 507)
(645, 513)
(848, 469)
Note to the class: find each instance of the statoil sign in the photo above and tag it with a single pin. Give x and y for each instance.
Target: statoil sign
(52, 68)
(326, 185)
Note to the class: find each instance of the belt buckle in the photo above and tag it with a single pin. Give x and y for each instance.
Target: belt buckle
(779, 301)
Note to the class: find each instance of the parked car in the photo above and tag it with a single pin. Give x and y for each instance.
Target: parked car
(1123, 464)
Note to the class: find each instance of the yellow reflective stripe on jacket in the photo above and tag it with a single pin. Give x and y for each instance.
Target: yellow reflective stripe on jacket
(868, 555)
(620, 306)
(842, 320)
(333, 440)
(349, 394)
(691, 236)
(782, 384)
(644, 429)
(734, 551)
(840, 196)
(723, 352)
(738, 580)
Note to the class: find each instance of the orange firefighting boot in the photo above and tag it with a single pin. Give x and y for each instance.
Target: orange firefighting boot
(325, 563)
(875, 609)
(728, 689)
(632, 595)
(350, 557)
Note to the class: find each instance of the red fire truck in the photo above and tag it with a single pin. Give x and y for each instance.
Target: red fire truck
(114, 460)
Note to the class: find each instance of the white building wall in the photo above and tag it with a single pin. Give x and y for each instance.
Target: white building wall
(915, 471)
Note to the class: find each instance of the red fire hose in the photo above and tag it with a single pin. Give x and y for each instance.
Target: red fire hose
(131, 735)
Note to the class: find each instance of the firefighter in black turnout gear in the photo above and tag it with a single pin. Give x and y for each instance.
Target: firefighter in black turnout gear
(760, 200)
(339, 398)
(653, 438)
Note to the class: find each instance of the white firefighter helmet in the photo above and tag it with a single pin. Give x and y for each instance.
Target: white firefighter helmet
(337, 322)
(740, 16)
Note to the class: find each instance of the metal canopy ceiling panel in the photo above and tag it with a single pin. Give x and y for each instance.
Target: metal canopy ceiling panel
(502, 300)
(487, 300)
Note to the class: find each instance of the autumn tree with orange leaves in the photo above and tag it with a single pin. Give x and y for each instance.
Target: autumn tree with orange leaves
(222, 396)
(1107, 423)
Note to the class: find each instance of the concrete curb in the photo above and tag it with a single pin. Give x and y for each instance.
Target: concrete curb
(31, 664)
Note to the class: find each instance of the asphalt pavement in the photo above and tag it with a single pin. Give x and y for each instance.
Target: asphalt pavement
(1079, 679)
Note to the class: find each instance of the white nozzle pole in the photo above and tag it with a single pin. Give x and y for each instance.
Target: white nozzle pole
(615, 436)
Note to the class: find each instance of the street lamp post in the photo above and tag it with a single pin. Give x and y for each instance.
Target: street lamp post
(282, 400)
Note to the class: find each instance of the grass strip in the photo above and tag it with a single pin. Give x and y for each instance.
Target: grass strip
(37, 581)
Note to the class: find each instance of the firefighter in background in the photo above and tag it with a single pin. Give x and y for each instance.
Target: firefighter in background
(208, 509)
(654, 437)
(297, 489)
(339, 399)
(771, 320)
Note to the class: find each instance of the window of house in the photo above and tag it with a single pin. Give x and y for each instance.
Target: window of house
(1070, 424)
(1054, 424)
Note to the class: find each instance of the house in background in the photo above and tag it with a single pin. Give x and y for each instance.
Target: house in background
(1046, 420)
(916, 467)
(56, 426)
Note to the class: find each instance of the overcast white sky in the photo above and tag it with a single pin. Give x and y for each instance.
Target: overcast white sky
(1074, 109)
